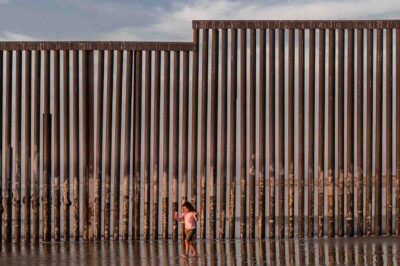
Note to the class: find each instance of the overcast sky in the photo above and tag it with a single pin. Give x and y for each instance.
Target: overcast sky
(141, 20)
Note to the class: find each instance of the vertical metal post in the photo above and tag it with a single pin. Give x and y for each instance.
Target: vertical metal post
(1, 143)
(57, 157)
(360, 126)
(341, 118)
(117, 145)
(233, 148)
(166, 145)
(311, 132)
(47, 120)
(195, 103)
(66, 150)
(291, 136)
(99, 146)
(350, 134)
(28, 142)
(137, 144)
(175, 142)
(147, 166)
(301, 137)
(156, 145)
(203, 144)
(185, 130)
(107, 166)
(36, 149)
(224, 135)
(397, 134)
(378, 140)
(271, 132)
(368, 200)
(18, 140)
(261, 144)
(389, 129)
(243, 133)
(281, 132)
(331, 134)
(252, 148)
(127, 146)
(214, 132)
(321, 132)
(76, 151)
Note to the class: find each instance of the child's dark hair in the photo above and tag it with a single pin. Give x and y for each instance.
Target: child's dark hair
(190, 207)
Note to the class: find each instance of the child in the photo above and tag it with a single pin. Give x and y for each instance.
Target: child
(190, 217)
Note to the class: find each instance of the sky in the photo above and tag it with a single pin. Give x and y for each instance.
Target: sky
(141, 20)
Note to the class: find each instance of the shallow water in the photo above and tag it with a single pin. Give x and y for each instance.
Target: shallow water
(382, 250)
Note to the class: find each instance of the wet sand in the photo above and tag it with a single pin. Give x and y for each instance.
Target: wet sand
(382, 250)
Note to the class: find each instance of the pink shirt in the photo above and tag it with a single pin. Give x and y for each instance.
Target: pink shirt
(190, 219)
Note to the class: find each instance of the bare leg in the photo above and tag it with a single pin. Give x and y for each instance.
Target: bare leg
(187, 249)
(192, 248)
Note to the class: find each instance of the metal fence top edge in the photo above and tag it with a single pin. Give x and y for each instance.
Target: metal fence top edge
(296, 24)
(106, 45)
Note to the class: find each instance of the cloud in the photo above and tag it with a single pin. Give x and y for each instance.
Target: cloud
(10, 37)
(175, 23)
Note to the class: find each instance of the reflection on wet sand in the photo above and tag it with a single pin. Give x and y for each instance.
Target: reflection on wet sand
(382, 250)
